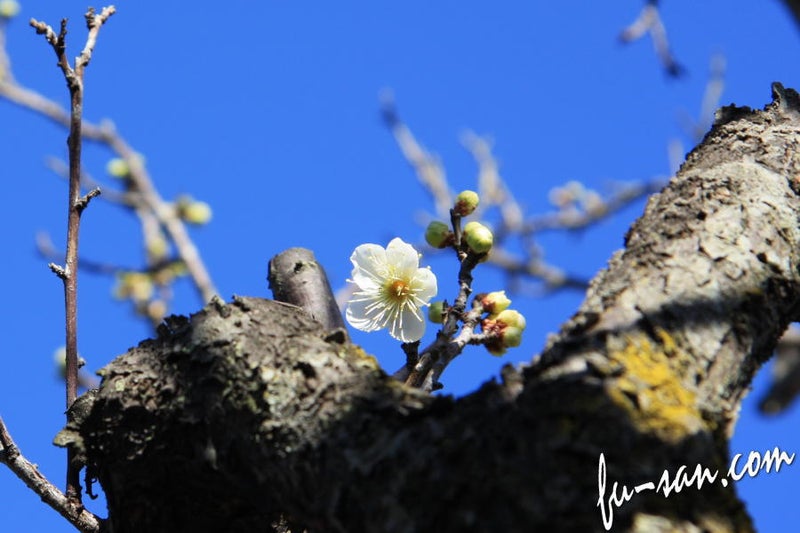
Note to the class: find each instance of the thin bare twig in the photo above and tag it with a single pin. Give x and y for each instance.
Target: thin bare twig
(467, 335)
(428, 168)
(649, 21)
(46, 248)
(492, 189)
(697, 128)
(76, 205)
(580, 219)
(141, 192)
(785, 386)
(26, 471)
(61, 169)
(496, 196)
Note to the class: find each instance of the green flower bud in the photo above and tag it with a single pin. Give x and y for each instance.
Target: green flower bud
(466, 203)
(495, 302)
(512, 337)
(436, 312)
(438, 234)
(157, 248)
(9, 8)
(198, 213)
(137, 286)
(478, 237)
(193, 211)
(118, 168)
(511, 318)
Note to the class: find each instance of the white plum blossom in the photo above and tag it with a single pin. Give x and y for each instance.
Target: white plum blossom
(390, 290)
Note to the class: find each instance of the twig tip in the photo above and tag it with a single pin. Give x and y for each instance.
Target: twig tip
(83, 201)
(58, 270)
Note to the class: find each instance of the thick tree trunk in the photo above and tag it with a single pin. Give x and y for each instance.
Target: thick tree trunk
(252, 417)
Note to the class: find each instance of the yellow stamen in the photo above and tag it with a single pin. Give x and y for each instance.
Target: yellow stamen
(398, 290)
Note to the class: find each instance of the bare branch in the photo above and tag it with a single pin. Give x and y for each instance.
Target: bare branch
(296, 278)
(696, 128)
(785, 386)
(141, 192)
(570, 219)
(649, 21)
(83, 201)
(496, 195)
(61, 169)
(428, 168)
(26, 471)
(552, 278)
(93, 23)
(58, 270)
(76, 205)
(46, 248)
(491, 187)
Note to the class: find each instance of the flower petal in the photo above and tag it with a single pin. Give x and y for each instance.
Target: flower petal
(363, 313)
(369, 266)
(424, 284)
(402, 257)
(409, 326)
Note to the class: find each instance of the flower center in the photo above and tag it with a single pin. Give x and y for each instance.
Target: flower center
(398, 290)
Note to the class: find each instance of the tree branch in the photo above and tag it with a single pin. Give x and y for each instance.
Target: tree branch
(649, 21)
(76, 206)
(142, 195)
(296, 278)
(26, 471)
(495, 194)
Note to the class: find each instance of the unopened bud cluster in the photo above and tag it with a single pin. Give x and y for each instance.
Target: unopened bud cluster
(504, 325)
(142, 289)
(476, 236)
(494, 302)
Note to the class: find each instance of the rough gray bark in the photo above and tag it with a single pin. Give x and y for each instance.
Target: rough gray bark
(252, 417)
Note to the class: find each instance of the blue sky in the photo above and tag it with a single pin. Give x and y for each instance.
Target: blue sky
(269, 111)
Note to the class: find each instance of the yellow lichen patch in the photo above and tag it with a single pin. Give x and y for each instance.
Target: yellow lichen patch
(666, 341)
(650, 388)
